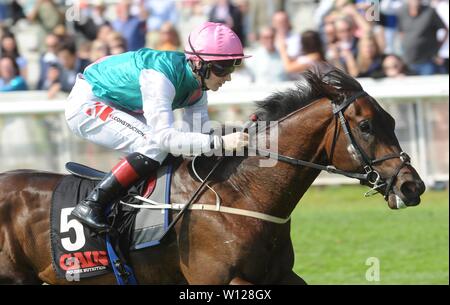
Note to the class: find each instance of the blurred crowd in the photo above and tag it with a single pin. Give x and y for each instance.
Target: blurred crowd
(366, 38)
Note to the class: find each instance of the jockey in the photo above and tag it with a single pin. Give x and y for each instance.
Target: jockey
(125, 102)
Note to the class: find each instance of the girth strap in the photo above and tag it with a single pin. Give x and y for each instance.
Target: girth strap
(207, 207)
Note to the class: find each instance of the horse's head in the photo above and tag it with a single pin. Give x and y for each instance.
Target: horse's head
(362, 140)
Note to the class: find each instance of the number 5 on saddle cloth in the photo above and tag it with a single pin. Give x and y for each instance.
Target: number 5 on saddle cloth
(77, 253)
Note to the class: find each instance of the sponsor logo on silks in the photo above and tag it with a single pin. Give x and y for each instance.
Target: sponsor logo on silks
(101, 110)
(82, 262)
(128, 125)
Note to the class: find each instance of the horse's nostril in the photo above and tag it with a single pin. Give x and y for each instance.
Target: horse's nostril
(410, 189)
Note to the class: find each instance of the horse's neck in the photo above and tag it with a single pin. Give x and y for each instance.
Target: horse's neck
(276, 190)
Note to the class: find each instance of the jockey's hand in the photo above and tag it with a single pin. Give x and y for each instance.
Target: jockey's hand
(234, 141)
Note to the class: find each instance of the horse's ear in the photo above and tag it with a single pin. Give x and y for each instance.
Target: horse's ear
(332, 92)
(321, 68)
(330, 77)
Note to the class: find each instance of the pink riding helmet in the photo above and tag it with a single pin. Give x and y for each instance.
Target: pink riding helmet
(212, 42)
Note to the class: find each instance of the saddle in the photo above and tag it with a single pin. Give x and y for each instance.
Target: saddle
(77, 251)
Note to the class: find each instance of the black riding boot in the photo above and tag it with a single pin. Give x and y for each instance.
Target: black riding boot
(91, 211)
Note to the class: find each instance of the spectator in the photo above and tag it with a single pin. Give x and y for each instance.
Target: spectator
(84, 51)
(323, 10)
(260, 15)
(329, 32)
(369, 58)
(348, 23)
(283, 29)
(3, 30)
(389, 10)
(329, 39)
(103, 32)
(266, 64)
(192, 14)
(361, 24)
(345, 34)
(341, 58)
(92, 18)
(16, 12)
(9, 48)
(64, 35)
(61, 31)
(418, 25)
(4, 12)
(99, 49)
(394, 67)
(132, 28)
(160, 12)
(312, 52)
(70, 64)
(243, 7)
(442, 59)
(118, 48)
(116, 43)
(169, 40)
(223, 11)
(10, 79)
(47, 59)
(52, 81)
(47, 14)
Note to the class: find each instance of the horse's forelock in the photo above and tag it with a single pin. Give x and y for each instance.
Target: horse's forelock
(341, 81)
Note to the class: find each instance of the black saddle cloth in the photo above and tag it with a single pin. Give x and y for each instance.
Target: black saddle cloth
(77, 251)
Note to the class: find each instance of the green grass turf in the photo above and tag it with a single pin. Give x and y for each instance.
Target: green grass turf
(335, 230)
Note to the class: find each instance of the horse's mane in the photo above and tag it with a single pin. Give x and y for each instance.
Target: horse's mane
(322, 80)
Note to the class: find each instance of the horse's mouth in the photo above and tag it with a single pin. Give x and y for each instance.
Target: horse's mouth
(397, 200)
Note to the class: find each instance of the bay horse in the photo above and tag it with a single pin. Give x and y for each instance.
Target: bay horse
(327, 121)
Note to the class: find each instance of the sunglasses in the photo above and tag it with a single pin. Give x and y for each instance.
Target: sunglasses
(224, 67)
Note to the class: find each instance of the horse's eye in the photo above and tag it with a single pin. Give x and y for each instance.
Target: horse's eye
(365, 126)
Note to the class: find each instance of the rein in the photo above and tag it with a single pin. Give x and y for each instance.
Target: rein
(202, 185)
(192, 199)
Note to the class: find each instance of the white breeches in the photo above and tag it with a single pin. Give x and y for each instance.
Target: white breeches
(90, 118)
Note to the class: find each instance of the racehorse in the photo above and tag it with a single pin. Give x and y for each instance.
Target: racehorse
(327, 122)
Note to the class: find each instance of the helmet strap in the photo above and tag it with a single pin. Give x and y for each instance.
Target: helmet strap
(204, 71)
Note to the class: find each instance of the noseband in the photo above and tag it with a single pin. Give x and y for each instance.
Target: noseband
(371, 176)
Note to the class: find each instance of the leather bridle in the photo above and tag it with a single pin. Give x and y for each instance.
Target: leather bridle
(371, 175)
